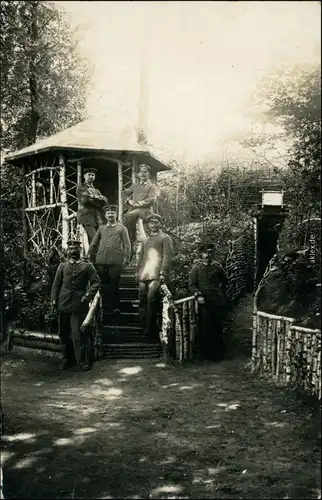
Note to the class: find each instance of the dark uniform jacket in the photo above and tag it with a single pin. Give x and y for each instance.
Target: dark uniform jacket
(70, 285)
(210, 281)
(110, 245)
(91, 202)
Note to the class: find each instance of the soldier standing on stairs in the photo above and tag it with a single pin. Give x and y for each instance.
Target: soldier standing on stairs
(152, 270)
(144, 195)
(90, 202)
(71, 295)
(110, 249)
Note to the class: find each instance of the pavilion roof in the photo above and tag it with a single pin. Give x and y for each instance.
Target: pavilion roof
(91, 136)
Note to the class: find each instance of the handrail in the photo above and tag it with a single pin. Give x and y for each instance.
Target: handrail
(91, 311)
(184, 299)
(287, 353)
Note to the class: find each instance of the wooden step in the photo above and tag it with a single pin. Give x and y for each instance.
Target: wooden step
(129, 305)
(122, 319)
(129, 293)
(128, 282)
(132, 350)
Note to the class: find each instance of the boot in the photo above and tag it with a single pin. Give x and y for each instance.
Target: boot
(84, 364)
(67, 360)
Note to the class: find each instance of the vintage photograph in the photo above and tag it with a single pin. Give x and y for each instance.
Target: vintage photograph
(160, 249)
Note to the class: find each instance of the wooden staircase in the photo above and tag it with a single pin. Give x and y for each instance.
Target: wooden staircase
(123, 337)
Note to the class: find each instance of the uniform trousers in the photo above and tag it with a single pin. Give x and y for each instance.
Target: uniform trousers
(149, 305)
(131, 218)
(110, 275)
(76, 344)
(210, 335)
(90, 231)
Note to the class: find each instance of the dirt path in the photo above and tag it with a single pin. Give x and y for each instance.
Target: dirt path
(142, 430)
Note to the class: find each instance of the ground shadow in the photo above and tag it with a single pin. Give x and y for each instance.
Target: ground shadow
(146, 430)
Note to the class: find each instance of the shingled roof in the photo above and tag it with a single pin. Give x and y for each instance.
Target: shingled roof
(91, 136)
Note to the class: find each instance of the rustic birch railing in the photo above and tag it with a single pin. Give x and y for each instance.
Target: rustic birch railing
(179, 326)
(287, 354)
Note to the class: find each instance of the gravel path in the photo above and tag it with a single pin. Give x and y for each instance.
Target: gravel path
(140, 429)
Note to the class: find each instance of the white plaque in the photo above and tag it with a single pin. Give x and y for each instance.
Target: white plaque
(272, 198)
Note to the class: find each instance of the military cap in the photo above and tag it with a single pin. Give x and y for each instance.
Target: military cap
(153, 217)
(90, 170)
(207, 247)
(73, 243)
(145, 167)
(112, 208)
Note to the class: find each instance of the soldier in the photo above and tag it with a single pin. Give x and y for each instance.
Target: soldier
(144, 195)
(110, 249)
(152, 270)
(208, 282)
(91, 202)
(70, 295)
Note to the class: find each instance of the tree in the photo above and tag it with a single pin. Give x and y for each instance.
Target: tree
(292, 99)
(43, 90)
(43, 79)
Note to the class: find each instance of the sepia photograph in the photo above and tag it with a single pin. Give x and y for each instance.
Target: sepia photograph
(160, 270)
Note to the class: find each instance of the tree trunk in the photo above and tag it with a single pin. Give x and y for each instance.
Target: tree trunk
(34, 116)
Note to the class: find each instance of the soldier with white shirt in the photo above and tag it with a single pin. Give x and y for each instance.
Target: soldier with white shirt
(152, 270)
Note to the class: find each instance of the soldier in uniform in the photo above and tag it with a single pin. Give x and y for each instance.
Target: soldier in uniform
(91, 202)
(75, 285)
(144, 195)
(110, 250)
(208, 282)
(153, 268)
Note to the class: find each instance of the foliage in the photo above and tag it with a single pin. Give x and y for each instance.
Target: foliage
(43, 79)
(294, 287)
(187, 240)
(27, 280)
(292, 99)
(43, 90)
(218, 190)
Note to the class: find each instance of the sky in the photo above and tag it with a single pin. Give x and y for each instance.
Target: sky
(202, 60)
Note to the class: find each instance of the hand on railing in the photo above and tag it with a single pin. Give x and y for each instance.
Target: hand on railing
(91, 311)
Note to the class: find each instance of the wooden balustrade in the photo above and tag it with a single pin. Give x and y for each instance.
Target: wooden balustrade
(181, 329)
(286, 353)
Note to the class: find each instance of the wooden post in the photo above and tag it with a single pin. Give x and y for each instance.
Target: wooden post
(134, 170)
(63, 197)
(79, 172)
(255, 229)
(33, 189)
(51, 187)
(120, 190)
(79, 177)
(24, 218)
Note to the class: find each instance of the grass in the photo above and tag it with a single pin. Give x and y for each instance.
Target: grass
(141, 429)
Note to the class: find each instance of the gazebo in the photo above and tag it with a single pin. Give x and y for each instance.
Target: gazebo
(53, 169)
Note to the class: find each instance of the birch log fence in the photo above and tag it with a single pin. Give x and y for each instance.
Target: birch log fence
(288, 354)
(184, 328)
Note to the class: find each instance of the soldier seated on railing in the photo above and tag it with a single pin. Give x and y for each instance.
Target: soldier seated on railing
(208, 282)
(70, 296)
(142, 202)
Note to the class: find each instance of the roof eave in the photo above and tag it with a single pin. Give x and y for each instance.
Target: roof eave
(13, 157)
